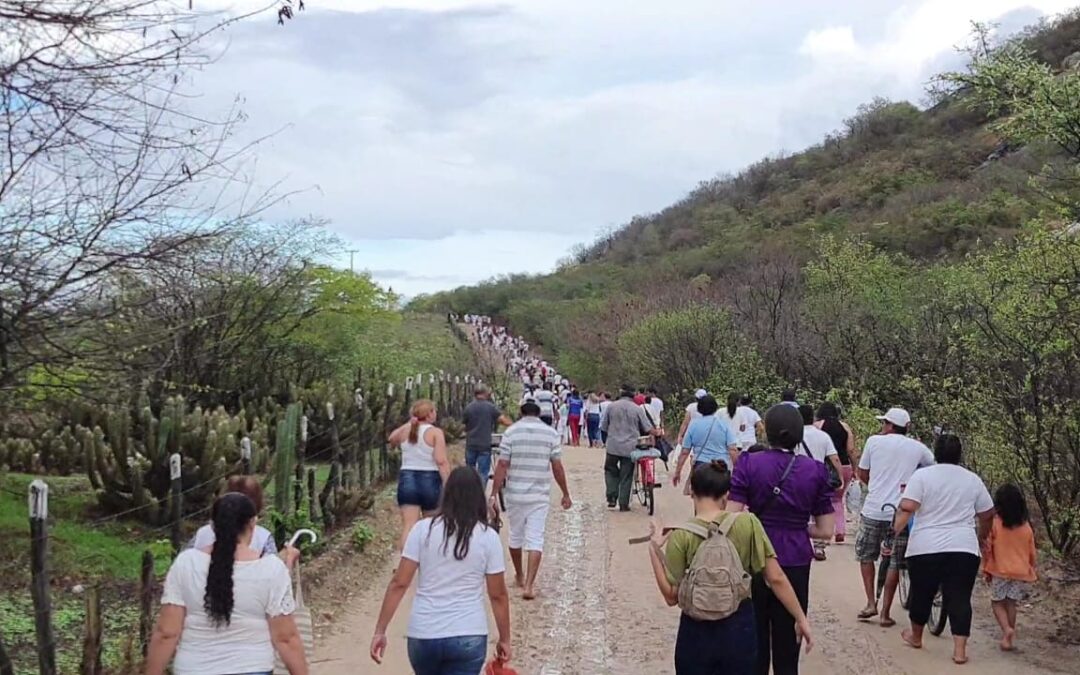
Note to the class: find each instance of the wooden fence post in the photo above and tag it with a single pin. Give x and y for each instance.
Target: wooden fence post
(91, 656)
(384, 460)
(431, 388)
(245, 455)
(5, 661)
(298, 479)
(311, 493)
(39, 571)
(146, 601)
(442, 394)
(335, 444)
(360, 458)
(176, 500)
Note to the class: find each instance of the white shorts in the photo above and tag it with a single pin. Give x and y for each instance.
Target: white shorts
(527, 522)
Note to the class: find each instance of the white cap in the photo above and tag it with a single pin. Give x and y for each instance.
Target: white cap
(700, 394)
(897, 417)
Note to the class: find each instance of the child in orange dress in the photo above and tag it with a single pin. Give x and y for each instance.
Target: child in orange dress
(1009, 559)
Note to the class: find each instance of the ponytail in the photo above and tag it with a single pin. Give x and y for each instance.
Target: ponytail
(419, 411)
(231, 515)
(732, 405)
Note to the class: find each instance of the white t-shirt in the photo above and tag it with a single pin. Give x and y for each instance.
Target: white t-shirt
(890, 459)
(262, 542)
(749, 436)
(691, 410)
(818, 442)
(657, 405)
(546, 400)
(418, 456)
(949, 496)
(738, 424)
(592, 408)
(450, 592)
(261, 589)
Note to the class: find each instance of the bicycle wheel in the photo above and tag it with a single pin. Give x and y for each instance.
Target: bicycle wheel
(639, 489)
(905, 589)
(938, 616)
(649, 502)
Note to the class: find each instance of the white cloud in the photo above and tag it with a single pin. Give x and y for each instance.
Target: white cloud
(473, 138)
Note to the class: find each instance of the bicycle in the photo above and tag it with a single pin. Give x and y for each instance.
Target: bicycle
(645, 474)
(938, 616)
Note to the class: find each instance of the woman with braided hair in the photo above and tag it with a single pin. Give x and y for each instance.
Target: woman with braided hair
(228, 607)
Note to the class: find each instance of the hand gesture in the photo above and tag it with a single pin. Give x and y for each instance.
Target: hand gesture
(503, 651)
(802, 632)
(656, 533)
(378, 647)
(566, 502)
(289, 555)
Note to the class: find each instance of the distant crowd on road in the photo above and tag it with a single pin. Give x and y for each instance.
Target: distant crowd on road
(768, 493)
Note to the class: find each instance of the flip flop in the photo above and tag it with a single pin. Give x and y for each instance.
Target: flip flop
(960, 662)
(868, 614)
(906, 636)
(887, 623)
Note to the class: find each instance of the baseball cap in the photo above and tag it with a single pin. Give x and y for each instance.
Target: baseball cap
(700, 394)
(897, 417)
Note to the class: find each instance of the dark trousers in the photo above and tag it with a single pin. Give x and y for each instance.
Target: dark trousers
(711, 647)
(954, 573)
(618, 476)
(775, 627)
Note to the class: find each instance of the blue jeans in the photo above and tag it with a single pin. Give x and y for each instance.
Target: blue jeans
(448, 656)
(419, 488)
(481, 461)
(592, 423)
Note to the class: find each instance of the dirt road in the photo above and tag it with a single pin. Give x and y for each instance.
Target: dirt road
(599, 612)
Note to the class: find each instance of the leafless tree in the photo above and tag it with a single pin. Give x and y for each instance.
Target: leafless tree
(103, 170)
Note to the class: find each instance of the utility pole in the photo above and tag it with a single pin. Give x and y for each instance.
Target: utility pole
(352, 252)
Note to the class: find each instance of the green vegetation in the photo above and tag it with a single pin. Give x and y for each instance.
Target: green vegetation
(362, 535)
(923, 258)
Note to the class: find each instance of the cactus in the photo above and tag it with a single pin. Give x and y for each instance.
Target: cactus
(288, 429)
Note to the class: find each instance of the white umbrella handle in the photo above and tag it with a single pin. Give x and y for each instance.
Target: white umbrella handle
(310, 533)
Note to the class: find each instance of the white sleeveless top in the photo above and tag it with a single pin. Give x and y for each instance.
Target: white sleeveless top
(418, 456)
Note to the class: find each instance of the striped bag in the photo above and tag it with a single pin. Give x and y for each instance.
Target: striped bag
(302, 616)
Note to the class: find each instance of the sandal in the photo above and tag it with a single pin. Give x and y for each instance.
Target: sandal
(868, 613)
(887, 623)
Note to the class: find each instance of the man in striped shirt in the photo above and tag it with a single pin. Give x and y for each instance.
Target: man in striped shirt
(530, 454)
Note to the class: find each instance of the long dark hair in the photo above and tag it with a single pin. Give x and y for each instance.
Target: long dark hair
(710, 481)
(1011, 505)
(231, 515)
(732, 404)
(461, 506)
(829, 415)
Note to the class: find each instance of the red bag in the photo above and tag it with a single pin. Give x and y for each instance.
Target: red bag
(497, 666)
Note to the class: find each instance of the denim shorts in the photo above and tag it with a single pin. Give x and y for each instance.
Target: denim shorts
(419, 488)
(462, 655)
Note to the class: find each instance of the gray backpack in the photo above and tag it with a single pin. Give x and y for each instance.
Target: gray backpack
(715, 584)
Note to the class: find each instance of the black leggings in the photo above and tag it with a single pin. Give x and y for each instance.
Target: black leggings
(954, 573)
(775, 627)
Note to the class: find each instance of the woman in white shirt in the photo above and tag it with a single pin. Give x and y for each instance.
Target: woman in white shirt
(424, 465)
(262, 540)
(735, 418)
(458, 558)
(944, 546)
(227, 607)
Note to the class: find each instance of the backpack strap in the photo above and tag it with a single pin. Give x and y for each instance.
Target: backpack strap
(694, 528)
(724, 526)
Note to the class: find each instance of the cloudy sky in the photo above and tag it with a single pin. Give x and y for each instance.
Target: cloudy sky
(448, 141)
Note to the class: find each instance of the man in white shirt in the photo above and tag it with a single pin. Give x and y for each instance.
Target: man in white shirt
(691, 413)
(819, 446)
(754, 425)
(888, 461)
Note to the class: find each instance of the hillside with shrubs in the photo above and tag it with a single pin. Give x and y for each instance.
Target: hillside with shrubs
(924, 257)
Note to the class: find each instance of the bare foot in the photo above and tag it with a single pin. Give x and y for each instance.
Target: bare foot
(887, 622)
(1007, 641)
(529, 594)
(868, 612)
(909, 639)
(519, 581)
(960, 660)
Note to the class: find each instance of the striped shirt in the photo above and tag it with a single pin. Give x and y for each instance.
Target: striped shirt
(529, 447)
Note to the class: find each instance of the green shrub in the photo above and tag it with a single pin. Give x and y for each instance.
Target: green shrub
(362, 535)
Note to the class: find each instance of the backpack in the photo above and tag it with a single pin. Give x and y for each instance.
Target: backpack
(715, 584)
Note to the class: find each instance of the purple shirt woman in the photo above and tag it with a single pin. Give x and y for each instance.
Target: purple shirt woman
(803, 493)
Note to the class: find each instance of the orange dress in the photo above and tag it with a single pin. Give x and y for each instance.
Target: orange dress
(1011, 552)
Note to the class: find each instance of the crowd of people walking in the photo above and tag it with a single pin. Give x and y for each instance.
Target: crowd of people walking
(766, 495)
